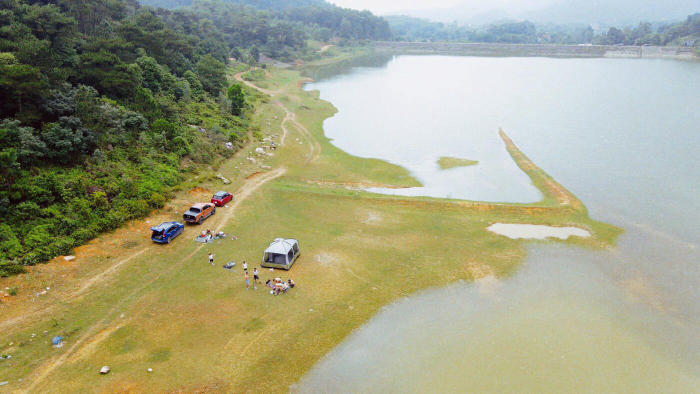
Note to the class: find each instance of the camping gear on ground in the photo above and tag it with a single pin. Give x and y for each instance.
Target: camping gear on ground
(166, 231)
(208, 237)
(229, 265)
(282, 253)
(104, 370)
(205, 239)
(57, 341)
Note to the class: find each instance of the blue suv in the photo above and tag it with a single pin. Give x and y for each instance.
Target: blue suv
(165, 232)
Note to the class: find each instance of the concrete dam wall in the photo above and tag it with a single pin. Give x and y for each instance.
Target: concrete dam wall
(545, 50)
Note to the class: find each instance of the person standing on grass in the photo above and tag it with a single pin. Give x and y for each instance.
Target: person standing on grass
(245, 266)
(256, 275)
(211, 259)
(247, 280)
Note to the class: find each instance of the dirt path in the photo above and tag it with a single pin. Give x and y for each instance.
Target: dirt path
(87, 285)
(96, 333)
(239, 77)
(290, 116)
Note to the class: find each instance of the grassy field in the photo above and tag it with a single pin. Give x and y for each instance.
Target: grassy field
(133, 305)
(447, 162)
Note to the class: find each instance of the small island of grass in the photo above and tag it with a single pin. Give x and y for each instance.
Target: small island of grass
(447, 162)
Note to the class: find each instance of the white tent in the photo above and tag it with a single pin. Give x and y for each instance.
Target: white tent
(281, 253)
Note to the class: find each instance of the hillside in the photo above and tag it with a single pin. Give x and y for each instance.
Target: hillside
(321, 19)
(685, 33)
(111, 106)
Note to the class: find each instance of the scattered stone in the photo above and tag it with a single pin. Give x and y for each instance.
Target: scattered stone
(104, 370)
(223, 179)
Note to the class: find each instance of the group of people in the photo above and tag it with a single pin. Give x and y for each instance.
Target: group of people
(276, 285)
(208, 235)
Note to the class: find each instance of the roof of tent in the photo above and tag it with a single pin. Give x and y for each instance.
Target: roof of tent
(281, 246)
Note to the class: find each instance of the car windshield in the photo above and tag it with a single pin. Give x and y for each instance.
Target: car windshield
(195, 210)
(220, 195)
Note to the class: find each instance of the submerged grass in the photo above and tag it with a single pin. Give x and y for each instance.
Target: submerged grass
(164, 307)
(446, 162)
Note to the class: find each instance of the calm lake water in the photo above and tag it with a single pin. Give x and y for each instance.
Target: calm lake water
(624, 136)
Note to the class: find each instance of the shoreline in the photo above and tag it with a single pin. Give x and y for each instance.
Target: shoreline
(537, 50)
(168, 302)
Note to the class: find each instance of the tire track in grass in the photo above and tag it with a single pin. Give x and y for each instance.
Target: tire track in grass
(290, 117)
(92, 337)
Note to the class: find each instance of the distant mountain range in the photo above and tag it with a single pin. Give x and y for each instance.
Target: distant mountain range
(595, 12)
(262, 4)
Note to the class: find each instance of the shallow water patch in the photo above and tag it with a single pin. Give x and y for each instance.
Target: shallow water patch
(536, 231)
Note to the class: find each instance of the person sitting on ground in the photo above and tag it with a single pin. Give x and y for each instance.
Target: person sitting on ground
(270, 284)
(290, 282)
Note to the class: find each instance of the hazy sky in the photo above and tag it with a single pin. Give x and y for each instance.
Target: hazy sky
(610, 12)
(390, 6)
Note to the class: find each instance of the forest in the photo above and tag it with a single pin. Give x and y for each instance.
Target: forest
(685, 33)
(108, 105)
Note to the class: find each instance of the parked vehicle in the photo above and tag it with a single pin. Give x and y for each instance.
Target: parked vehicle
(165, 232)
(199, 212)
(281, 253)
(221, 198)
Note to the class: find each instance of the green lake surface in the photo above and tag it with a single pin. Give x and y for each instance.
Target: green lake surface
(621, 134)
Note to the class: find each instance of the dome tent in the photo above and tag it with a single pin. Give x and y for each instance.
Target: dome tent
(281, 253)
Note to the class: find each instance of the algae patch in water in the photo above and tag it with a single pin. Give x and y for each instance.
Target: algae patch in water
(446, 162)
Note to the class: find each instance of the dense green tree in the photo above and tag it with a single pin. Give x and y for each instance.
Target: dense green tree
(22, 87)
(211, 73)
(237, 97)
(254, 54)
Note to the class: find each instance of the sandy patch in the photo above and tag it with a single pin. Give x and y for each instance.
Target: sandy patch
(327, 259)
(484, 277)
(536, 231)
(199, 190)
(372, 218)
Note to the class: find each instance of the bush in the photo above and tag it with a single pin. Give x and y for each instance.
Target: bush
(8, 268)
